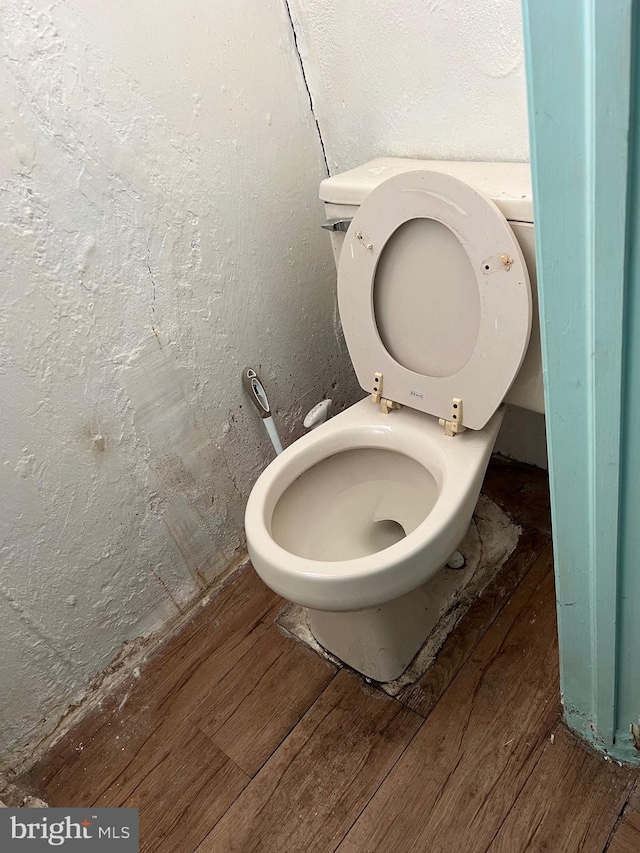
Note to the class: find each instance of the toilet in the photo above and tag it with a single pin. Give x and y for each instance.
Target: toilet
(357, 520)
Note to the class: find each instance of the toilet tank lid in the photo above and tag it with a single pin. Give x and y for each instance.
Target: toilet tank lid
(506, 184)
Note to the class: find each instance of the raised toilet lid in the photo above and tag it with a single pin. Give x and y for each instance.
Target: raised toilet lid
(434, 294)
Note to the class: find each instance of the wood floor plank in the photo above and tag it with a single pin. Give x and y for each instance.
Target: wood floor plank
(521, 490)
(634, 798)
(632, 817)
(626, 839)
(182, 784)
(588, 794)
(260, 700)
(313, 787)
(460, 775)
(180, 674)
(422, 696)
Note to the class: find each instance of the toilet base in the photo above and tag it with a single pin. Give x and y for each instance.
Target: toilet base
(380, 642)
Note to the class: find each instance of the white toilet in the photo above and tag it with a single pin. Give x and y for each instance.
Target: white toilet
(355, 520)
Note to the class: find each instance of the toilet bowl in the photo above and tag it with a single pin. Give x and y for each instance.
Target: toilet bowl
(365, 508)
(355, 520)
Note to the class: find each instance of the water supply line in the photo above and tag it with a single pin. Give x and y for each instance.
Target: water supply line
(258, 396)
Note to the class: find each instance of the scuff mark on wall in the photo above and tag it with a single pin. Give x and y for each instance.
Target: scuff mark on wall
(184, 460)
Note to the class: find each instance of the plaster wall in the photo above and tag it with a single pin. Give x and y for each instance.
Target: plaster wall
(159, 232)
(441, 79)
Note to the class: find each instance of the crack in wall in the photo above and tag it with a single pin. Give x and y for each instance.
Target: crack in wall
(306, 85)
(153, 283)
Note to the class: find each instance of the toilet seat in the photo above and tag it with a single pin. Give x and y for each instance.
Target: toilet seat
(497, 307)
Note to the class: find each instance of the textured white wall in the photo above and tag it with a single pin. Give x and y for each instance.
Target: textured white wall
(441, 79)
(158, 186)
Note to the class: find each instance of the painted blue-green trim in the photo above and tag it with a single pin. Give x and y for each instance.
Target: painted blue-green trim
(581, 110)
(628, 686)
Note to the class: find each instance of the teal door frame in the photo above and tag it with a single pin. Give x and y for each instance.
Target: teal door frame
(585, 144)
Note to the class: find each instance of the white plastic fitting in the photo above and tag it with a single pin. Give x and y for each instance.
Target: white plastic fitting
(456, 561)
(318, 415)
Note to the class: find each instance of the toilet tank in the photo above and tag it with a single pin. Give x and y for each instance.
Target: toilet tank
(508, 185)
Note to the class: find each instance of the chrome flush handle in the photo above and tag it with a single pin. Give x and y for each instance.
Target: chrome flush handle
(339, 224)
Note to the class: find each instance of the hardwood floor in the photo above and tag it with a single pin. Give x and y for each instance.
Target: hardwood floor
(238, 738)
(318, 781)
(626, 837)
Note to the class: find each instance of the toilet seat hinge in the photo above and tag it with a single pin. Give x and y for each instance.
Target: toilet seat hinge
(376, 397)
(387, 406)
(453, 426)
